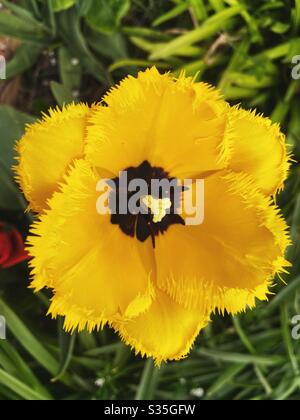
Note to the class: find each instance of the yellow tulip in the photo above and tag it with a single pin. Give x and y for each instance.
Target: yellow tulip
(153, 278)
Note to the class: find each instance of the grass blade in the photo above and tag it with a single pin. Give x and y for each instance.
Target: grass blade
(148, 382)
(242, 358)
(20, 388)
(27, 340)
(209, 28)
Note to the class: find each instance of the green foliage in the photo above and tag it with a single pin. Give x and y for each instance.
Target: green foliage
(105, 16)
(59, 5)
(81, 48)
(12, 125)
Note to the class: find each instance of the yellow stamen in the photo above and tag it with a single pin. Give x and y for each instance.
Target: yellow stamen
(158, 206)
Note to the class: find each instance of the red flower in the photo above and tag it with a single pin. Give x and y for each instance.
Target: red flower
(12, 250)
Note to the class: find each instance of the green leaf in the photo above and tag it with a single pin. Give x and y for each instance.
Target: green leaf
(70, 75)
(217, 5)
(148, 381)
(59, 5)
(293, 49)
(9, 194)
(28, 340)
(69, 69)
(150, 33)
(227, 376)
(189, 51)
(209, 28)
(49, 17)
(66, 345)
(294, 126)
(33, 6)
(249, 346)
(112, 46)
(100, 351)
(171, 14)
(236, 61)
(75, 41)
(24, 58)
(20, 388)
(280, 28)
(12, 124)
(17, 27)
(105, 16)
(14, 364)
(21, 12)
(83, 6)
(199, 9)
(287, 339)
(285, 295)
(242, 358)
(296, 16)
(62, 93)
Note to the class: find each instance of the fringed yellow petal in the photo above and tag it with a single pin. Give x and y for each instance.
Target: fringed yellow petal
(166, 331)
(46, 150)
(238, 249)
(191, 123)
(120, 132)
(80, 255)
(234, 301)
(259, 149)
(76, 318)
(175, 124)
